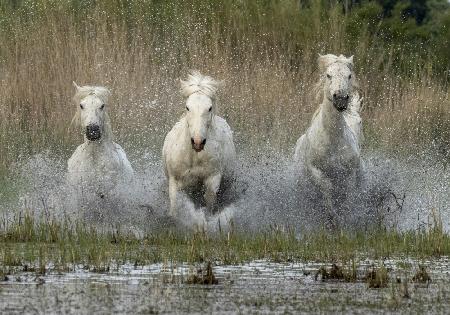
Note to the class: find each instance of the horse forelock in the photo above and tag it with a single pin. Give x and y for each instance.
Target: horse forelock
(98, 91)
(199, 83)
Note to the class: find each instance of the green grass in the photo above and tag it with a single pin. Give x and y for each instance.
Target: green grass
(66, 244)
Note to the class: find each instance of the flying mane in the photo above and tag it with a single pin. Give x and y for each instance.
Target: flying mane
(197, 82)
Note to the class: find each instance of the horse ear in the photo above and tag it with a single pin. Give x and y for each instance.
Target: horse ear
(350, 62)
(183, 84)
(75, 85)
(324, 61)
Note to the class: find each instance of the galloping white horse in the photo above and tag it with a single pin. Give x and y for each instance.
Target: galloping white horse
(99, 164)
(330, 148)
(199, 150)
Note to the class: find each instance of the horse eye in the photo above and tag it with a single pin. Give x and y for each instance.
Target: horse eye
(350, 76)
(328, 76)
(102, 107)
(187, 108)
(81, 106)
(210, 109)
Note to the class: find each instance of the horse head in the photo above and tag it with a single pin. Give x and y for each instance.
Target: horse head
(338, 79)
(92, 111)
(201, 92)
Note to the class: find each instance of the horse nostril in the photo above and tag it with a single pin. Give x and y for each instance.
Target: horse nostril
(93, 128)
(204, 141)
(347, 97)
(334, 95)
(192, 140)
(93, 132)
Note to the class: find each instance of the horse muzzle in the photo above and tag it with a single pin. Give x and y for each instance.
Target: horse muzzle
(340, 102)
(198, 144)
(93, 132)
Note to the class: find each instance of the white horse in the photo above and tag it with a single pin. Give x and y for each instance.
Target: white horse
(330, 149)
(199, 150)
(99, 164)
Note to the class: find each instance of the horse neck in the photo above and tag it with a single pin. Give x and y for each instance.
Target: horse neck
(333, 121)
(185, 138)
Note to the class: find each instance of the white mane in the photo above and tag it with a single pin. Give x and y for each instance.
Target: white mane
(83, 91)
(197, 82)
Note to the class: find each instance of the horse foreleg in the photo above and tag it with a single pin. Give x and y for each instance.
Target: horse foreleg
(212, 184)
(325, 187)
(173, 191)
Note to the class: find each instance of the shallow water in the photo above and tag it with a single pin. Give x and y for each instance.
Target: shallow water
(401, 193)
(256, 287)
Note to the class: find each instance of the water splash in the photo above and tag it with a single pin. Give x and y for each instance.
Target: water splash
(268, 192)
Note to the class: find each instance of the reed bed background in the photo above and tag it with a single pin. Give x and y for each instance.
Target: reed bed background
(265, 51)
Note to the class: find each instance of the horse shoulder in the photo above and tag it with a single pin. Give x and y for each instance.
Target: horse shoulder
(173, 156)
(173, 137)
(224, 134)
(299, 147)
(123, 160)
(76, 159)
(77, 167)
(222, 124)
(223, 130)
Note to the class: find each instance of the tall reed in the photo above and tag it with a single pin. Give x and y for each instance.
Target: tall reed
(264, 50)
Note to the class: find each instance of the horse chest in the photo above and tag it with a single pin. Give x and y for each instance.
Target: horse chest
(199, 168)
(100, 166)
(333, 157)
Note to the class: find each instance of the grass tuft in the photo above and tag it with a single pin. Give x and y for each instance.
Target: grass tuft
(377, 278)
(421, 275)
(203, 276)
